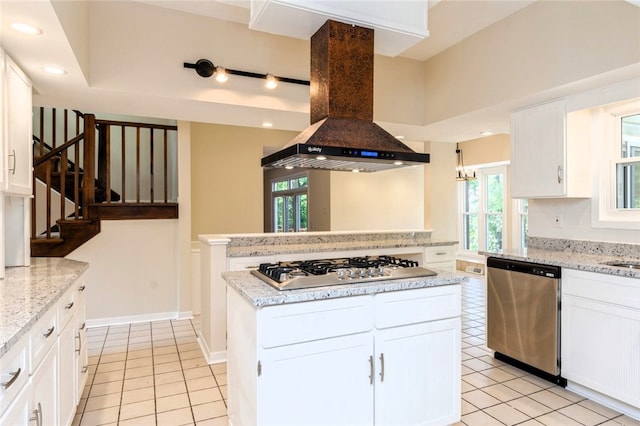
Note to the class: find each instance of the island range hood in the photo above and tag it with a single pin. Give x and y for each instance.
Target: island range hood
(342, 135)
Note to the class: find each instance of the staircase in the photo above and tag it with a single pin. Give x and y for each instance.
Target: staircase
(87, 178)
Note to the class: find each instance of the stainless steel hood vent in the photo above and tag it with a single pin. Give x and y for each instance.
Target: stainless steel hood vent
(342, 135)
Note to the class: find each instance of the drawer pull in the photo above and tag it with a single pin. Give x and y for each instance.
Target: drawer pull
(441, 253)
(79, 342)
(83, 326)
(69, 305)
(37, 415)
(49, 332)
(382, 367)
(14, 377)
(13, 169)
(81, 288)
(85, 369)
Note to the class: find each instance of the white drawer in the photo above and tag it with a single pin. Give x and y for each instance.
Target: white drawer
(415, 306)
(307, 321)
(67, 306)
(14, 371)
(439, 254)
(43, 336)
(622, 291)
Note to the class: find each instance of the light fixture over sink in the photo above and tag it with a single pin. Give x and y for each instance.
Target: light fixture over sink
(461, 173)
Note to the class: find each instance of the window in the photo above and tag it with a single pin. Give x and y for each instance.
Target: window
(523, 223)
(483, 210)
(628, 164)
(289, 203)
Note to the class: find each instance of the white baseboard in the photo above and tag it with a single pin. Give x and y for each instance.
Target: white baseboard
(133, 319)
(609, 402)
(211, 357)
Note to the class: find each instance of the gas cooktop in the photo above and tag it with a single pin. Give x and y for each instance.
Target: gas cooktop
(324, 272)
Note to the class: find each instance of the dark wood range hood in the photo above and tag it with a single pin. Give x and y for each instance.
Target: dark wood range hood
(342, 135)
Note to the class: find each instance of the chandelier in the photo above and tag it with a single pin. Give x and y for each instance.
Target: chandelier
(461, 173)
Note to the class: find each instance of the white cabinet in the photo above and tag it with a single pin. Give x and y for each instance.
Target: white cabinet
(440, 257)
(18, 130)
(549, 152)
(390, 358)
(601, 335)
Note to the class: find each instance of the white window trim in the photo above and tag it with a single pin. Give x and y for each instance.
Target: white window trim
(604, 213)
(482, 171)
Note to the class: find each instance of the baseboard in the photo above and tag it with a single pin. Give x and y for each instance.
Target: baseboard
(184, 315)
(133, 319)
(211, 357)
(609, 402)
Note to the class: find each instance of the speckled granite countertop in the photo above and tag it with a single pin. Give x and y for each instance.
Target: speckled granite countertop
(245, 245)
(26, 293)
(260, 294)
(587, 256)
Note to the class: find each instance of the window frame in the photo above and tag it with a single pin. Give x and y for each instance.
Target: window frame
(295, 193)
(608, 135)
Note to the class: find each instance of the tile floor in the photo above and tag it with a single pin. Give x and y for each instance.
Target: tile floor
(154, 374)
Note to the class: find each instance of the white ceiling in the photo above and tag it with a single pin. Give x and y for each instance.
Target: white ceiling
(449, 21)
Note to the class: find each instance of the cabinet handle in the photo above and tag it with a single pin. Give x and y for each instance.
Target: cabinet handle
(83, 326)
(69, 305)
(441, 253)
(559, 174)
(49, 332)
(13, 170)
(382, 367)
(37, 415)
(79, 342)
(14, 377)
(81, 288)
(85, 369)
(370, 369)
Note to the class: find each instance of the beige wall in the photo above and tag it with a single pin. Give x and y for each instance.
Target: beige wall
(490, 149)
(226, 177)
(543, 46)
(442, 191)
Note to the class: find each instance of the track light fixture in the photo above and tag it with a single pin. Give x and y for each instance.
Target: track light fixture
(205, 68)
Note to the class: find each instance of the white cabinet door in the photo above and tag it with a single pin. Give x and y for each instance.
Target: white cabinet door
(43, 385)
(418, 374)
(18, 130)
(18, 412)
(67, 373)
(538, 151)
(601, 347)
(3, 124)
(325, 382)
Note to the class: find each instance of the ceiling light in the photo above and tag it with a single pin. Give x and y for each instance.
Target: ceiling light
(461, 173)
(55, 70)
(321, 157)
(26, 28)
(486, 133)
(356, 170)
(288, 167)
(397, 163)
(221, 75)
(267, 124)
(271, 83)
(399, 137)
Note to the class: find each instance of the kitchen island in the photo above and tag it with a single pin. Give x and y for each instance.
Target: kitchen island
(353, 354)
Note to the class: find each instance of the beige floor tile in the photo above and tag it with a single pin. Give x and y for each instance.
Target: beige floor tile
(111, 376)
(529, 406)
(502, 392)
(102, 402)
(170, 389)
(498, 374)
(550, 399)
(467, 407)
(140, 346)
(522, 386)
(196, 353)
(209, 411)
(194, 373)
(175, 417)
(531, 422)
(219, 368)
(555, 418)
(466, 387)
(120, 356)
(627, 421)
(133, 373)
(189, 347)
(464, 370)
(138, 383)
(480, 399)
(164, 350)
(105, 388)
(201, 383)
(167, 367)
(108, 366)
(478, 380)
(100, 417)
(582, 415)
(171, 377)
(544, 384)
(172, 402)
(204, 396)
(137, 409)
(506, 414)
(161, 359)
(138, 395)
(139, 353)
(193, 363)
(146, 361)
(218, 421)
(163, 343)
(600, 409)
(223, 391)
(479, 418)
(566, 394)
(221, 379)
(139, 421)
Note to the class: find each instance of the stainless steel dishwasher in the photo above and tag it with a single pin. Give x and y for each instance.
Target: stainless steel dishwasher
(523, 316)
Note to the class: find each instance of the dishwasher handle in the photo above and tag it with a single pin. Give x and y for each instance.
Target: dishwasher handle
(548, 271)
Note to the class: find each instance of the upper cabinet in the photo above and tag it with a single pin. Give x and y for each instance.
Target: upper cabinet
(550, 152)
(16, 130)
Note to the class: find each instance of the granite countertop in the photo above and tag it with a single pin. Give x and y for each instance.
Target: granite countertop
(26, 293)
(566, 258)
(260, 294)
(244, 245)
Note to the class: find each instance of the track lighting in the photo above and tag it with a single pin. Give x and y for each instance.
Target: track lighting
(205, 68)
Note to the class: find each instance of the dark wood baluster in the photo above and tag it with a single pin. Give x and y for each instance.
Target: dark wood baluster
(48, 195)
(166, 183)
(63, 183)
(76, 181)
(138, 165)
(123, 166)
(151, 177)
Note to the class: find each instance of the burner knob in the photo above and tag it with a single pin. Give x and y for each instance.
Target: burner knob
(372, 271)
(352, 273)
(340, 274)
(362, 272)
(381, 270)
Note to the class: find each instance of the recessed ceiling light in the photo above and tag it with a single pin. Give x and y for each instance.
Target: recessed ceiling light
(486, 133)
(397, 163)
(55, 70)
(26, 28)
(288, 167)
(267, 124)
(321, 157)
(272, 83)
(356, 170)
